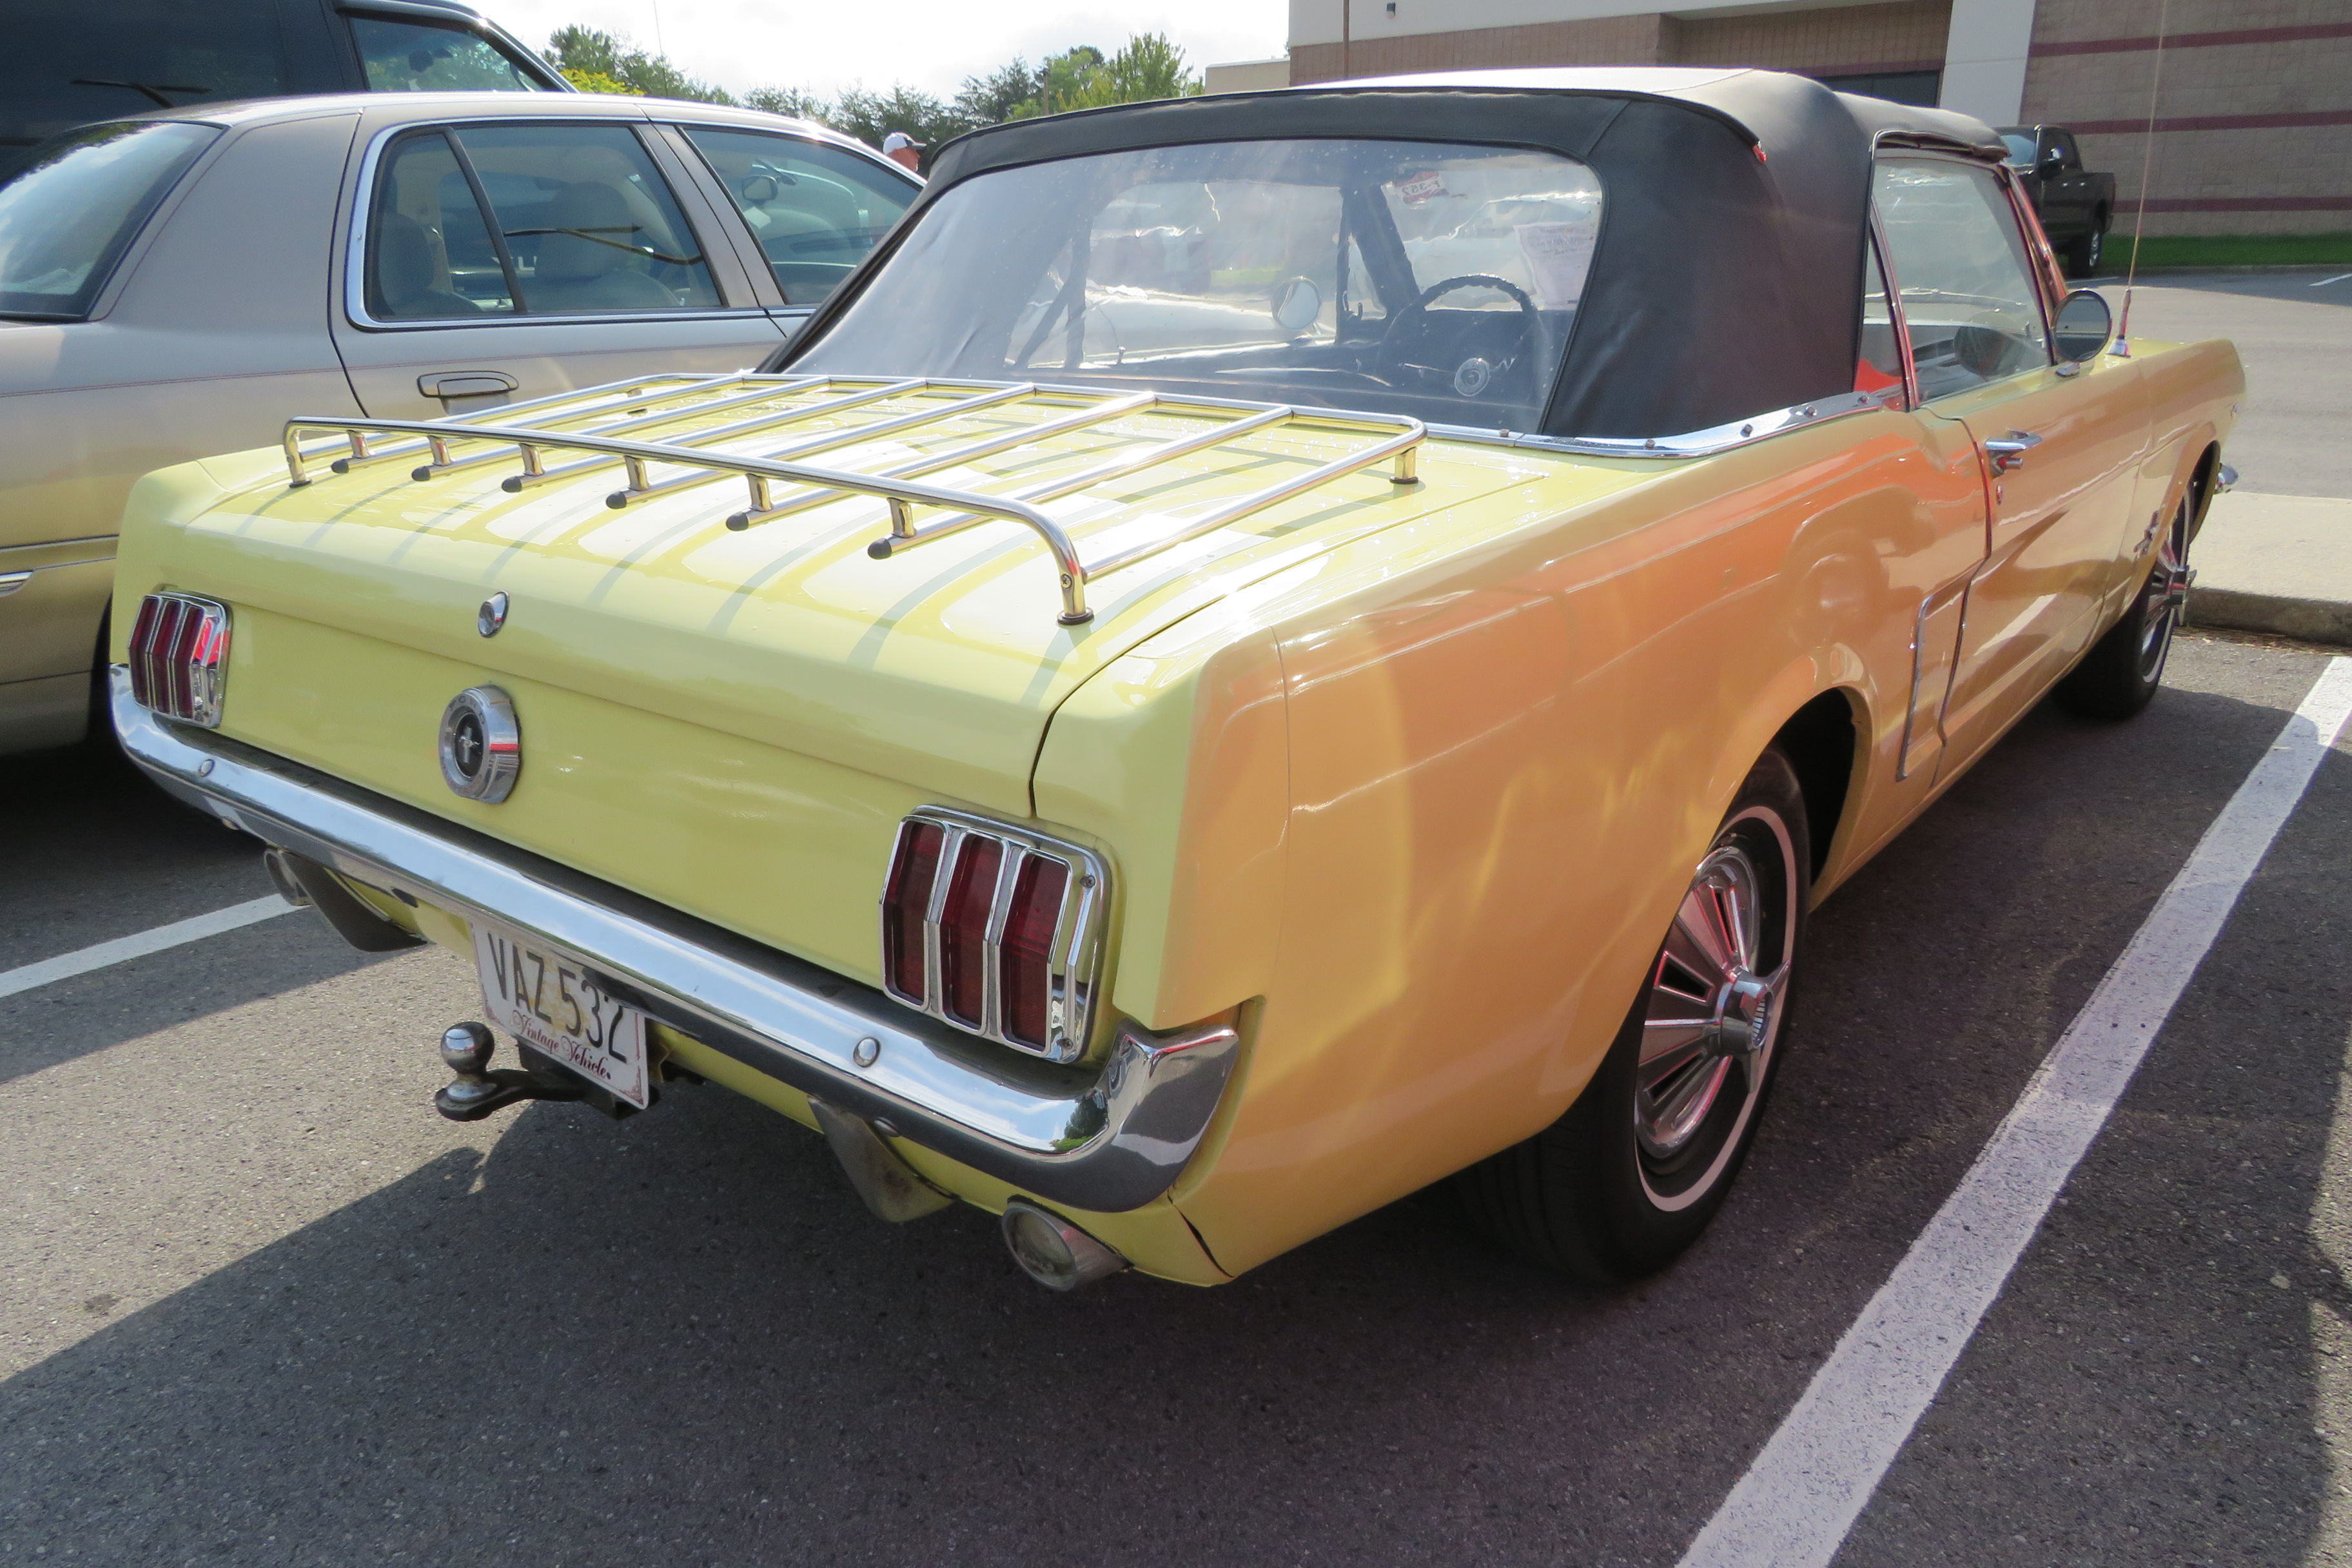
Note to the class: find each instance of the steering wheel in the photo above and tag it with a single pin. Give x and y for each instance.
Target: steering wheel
(1475, 374)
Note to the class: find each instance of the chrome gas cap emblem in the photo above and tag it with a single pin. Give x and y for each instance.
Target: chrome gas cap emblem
(482, 744)
(492, 614)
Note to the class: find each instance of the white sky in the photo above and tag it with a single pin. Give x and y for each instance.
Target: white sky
(929, 43)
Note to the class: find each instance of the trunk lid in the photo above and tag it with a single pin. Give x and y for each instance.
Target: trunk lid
(939, 666)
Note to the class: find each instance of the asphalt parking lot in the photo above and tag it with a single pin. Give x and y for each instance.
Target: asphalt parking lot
(264, 1307)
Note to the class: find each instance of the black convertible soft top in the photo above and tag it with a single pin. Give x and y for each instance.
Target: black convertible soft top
(1727, 277)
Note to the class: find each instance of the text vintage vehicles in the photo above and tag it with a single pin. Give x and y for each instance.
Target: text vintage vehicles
(1265, 651)
(174, 284)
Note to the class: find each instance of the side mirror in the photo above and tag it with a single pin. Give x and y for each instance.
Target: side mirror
(2084, 326)
(1296, 304)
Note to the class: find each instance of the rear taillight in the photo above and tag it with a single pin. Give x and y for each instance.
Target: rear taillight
(906, 907)
(1026, 993)
(995, 930)
(179, 657)
(964, 949)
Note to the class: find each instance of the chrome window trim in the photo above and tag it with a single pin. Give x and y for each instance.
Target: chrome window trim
(1707, 443)
(362, 201)
(1877, 240)
(1107, 1140)
(1074, 959)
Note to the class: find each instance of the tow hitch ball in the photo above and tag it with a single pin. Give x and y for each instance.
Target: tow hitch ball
(480, 1088)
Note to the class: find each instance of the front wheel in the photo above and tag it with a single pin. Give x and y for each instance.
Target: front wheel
(1619, 1186)
(2120, 674)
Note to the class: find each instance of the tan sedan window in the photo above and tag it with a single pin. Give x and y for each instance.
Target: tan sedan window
(817, 209)
(532, 220)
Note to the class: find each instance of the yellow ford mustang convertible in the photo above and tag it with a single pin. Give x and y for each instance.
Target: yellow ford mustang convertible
(1262, 652)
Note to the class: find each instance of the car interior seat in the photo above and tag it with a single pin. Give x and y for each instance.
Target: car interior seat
(407, 274)
(590, 269)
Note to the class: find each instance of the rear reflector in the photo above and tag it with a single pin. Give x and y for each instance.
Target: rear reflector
(963, 929)
(995, 930)
(179, 658)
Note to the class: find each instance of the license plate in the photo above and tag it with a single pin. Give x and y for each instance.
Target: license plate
(550, 1005)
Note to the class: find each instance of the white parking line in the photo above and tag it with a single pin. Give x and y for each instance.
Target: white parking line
(1794, 1507)
(2325, 282)
(195, 927)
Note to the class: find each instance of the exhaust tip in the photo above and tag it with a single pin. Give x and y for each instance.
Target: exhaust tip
(1053, 1252)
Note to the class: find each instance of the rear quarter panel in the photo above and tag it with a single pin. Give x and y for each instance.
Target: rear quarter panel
(1512, 728)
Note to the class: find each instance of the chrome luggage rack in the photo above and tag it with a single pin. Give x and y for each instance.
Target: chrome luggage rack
(630, 406)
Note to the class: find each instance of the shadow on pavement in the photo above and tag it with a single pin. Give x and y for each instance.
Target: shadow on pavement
(680, 1339)
(70, 1018)
(95, 852)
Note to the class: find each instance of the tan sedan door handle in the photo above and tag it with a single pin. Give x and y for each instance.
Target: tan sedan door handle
(466, 384)
(2008, 452)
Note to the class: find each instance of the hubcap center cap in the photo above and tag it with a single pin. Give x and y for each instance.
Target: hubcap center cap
(1743, 1015)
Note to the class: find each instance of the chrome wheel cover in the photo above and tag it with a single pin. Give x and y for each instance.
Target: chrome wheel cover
(1713, 1010)
(2167, 595)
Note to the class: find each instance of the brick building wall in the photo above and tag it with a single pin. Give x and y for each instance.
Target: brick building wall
(2252, 111)
(1907, 35)
(1605, 41)
(1903, 35)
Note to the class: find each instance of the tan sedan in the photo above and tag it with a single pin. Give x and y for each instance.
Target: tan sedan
(179, 283)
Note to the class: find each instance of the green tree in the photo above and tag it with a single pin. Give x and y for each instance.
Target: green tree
(595, 81)
(870, 116)
(613, 56)
(1147, 67)
(999, 96)
(800, 102)
(1067, 81)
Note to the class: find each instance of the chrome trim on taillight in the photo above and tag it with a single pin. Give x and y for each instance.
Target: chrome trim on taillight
(1074, 963)
(181, 639)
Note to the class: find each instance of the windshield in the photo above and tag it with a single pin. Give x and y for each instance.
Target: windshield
(1432, 280)
(69, 214)
(2021, 148)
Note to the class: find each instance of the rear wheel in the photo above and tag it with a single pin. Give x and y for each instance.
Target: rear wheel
(2120, 674)
(1629, 1177)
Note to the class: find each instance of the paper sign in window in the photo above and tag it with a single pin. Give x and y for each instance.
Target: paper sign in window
(1558, 256)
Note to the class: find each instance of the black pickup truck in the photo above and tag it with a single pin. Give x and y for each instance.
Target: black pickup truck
(2077, 205)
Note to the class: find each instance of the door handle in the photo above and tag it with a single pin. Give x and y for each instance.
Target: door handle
(466, 384)
(2008, 452)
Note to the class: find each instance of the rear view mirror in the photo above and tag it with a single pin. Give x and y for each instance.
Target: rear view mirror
(2085, 325)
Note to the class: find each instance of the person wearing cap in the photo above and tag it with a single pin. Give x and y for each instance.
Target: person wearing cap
(904, 150)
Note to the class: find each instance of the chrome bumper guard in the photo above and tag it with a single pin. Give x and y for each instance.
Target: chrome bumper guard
(1107, 1140)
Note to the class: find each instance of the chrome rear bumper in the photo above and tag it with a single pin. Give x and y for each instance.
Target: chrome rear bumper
(1107, 1140)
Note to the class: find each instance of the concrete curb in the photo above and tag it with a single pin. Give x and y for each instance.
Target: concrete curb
(2280, 564)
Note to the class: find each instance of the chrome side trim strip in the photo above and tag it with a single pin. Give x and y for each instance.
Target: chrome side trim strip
(1107, 1140)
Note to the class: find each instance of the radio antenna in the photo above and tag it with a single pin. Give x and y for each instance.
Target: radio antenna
(2121, 348)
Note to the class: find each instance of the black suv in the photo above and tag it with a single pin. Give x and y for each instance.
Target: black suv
(69, 62)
